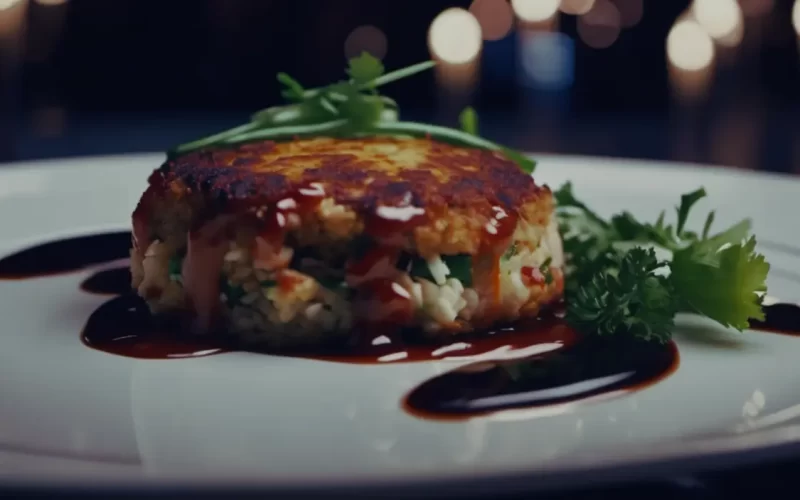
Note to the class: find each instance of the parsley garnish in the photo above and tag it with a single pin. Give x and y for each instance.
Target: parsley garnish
(365, 69)
(616, 285)
(349, 108)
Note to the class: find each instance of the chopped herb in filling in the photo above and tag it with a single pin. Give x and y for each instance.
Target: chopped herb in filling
(460, 267)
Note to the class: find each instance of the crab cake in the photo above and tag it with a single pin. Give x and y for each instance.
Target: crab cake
(305, 241)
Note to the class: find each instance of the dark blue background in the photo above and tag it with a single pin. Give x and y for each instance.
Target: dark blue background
(96, 77)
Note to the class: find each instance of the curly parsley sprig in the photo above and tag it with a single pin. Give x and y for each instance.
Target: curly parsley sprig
(617, 286)
(349, 108)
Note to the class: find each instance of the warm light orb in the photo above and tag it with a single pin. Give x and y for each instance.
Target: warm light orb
(720, 18)
(576, 7)
(689, 47)
(535, 10)
(7, 4)
(600, 27)
(455, 36)
(365, 39)
(494, 16)
(630, 12)
(756, 8)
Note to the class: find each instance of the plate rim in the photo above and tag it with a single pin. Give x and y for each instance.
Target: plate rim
(590, 470)
(84, 161)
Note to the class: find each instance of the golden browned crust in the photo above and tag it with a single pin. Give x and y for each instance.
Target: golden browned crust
(458, 188)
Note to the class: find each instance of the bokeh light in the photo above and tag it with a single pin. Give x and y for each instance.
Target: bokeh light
(494, 16)
(600, 27)
(365, 39)
(455, 36)
(630, 12)
(50, 2)
(796, 16)
(13, 15)
(7, 4)
(576, 7)
(535, 10)
(547, 60)
(756, 8)
(719, 18)
(689, 47)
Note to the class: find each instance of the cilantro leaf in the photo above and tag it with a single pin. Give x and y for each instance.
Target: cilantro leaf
(687, 201)
(719, 276)
(365, 69)
(626, 297)
(722, 284)
(629, 229)
(565, 199)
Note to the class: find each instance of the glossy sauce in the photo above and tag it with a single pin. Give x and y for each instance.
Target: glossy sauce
(384, 302)
(123, 326)
(288, 211)
(528, 338)
(387, 225)
(782, 317)
(499, 229)
(114, 281)
(66, 255)
(591, 368)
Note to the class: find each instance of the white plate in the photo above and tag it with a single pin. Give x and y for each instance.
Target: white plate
(73, 415)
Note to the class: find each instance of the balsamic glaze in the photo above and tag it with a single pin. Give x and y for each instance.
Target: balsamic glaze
(114, 281)
(782, 317)
(66, 255)
(591, 368)
(124, 326)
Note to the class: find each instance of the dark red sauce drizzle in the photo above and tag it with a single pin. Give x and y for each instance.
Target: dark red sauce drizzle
(125, 327)
(66, 255)
(590, 368)
(782, 317)
(530, 364)
(276, 217)
(114, 281)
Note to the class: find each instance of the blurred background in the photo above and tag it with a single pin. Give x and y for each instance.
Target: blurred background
(711, 81)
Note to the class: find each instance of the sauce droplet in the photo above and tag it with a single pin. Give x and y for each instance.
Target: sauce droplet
(781, 317)
(390, 225)
(590, 368)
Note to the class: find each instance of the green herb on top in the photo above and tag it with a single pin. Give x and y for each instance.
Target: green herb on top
(469, 120)
(346, 109)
